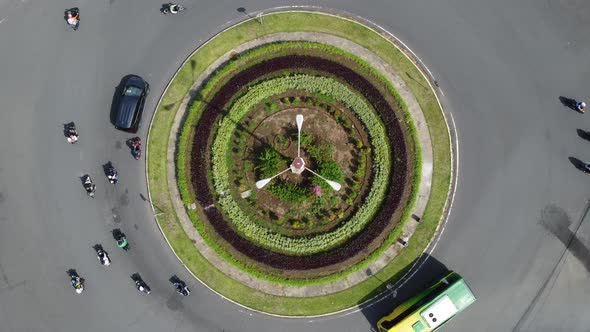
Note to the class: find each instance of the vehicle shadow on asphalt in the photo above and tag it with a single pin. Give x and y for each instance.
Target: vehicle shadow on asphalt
(578, 164)
(558, 223)
(569, 103)
(583, 134)
(387, 295)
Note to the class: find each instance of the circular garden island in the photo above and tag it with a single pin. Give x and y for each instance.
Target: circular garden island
(298, 165)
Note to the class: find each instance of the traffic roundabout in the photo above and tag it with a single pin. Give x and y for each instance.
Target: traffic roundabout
(299, 163)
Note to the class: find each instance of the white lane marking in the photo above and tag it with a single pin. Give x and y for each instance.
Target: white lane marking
(2, 20)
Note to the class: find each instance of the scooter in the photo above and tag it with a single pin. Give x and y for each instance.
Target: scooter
(88, 185)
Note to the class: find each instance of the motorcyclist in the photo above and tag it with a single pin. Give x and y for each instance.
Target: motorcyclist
(73, 136)
(77, 283)
(142, 287)
(112, 175)
(72, 17)
(122, 242)
(581, 106)
(104, 258)
(181, 288)
(173, 8)
(89, 186)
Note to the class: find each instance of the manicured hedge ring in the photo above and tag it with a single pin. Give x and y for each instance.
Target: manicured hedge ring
(299, 246)
(245, 83)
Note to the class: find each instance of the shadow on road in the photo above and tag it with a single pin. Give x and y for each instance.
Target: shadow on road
(569, 103)
(556, 221)
(578, 164)
(583, 134)
(392, 292)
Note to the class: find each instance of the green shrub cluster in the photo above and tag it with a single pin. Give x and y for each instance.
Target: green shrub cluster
(268, 163)
(289, 192)
(321, 242)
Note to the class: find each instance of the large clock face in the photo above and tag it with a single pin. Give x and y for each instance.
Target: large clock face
(301, 162)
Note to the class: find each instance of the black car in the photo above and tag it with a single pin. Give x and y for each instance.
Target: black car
(128, 106)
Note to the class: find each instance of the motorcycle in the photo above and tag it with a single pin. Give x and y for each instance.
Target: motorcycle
(89, 185)
(142, 286)
(171, 8)
(72, 17)
(71, 133)
(103, 256)
(121, 240)
(135, 145)
(181, 288)
(111, 173)
(76, 281)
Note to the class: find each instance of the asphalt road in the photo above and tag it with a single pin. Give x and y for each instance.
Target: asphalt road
(513, 231)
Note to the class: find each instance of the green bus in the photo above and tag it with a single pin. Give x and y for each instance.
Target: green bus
(431, 308)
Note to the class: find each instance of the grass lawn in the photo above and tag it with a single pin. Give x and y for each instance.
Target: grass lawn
(158, 142)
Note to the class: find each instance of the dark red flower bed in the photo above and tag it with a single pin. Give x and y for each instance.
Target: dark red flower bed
(354, 245)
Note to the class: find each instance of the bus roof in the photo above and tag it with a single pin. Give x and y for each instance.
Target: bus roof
(456, 298)
(440, 303)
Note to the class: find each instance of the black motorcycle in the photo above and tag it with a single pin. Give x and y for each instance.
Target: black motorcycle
(89, 186)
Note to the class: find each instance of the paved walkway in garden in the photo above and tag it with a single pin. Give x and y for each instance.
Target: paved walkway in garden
(410, 226)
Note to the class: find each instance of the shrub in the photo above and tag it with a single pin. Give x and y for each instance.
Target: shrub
(314, 85)
(267, 164)
(289, 192)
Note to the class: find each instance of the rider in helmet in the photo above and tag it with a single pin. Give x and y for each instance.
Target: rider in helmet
(581, 106)
(173, 8)
(72, 17)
